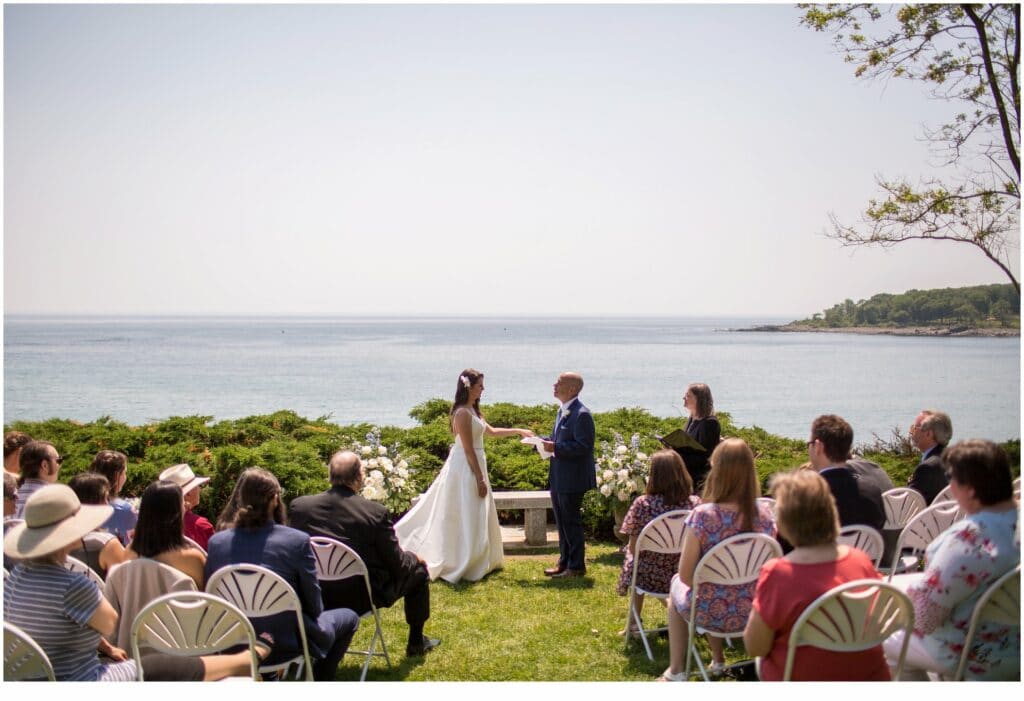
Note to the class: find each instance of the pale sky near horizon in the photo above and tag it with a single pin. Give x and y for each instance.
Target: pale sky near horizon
(448, 159)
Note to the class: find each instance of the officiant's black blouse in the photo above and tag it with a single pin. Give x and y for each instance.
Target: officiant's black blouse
(707, 432)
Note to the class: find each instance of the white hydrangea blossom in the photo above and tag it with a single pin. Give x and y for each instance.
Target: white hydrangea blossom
(622, 470)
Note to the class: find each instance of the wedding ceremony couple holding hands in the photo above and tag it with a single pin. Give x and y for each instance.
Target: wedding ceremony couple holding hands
(453, 527)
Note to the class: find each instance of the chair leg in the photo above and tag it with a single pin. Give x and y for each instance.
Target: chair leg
(380, 634)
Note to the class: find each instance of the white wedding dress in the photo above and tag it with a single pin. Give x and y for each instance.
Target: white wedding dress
(451, 528)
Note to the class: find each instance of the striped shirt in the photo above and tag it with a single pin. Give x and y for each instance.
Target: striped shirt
(26, 490)
(53, 605)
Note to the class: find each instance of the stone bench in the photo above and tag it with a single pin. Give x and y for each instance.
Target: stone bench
(535, 507)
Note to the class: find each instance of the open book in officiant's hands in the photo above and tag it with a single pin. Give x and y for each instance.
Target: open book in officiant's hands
(538, 443)
(680, 440)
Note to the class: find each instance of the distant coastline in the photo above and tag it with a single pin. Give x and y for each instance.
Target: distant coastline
(954, 331)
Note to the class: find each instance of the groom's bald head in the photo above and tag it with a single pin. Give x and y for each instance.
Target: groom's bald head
(569, 385)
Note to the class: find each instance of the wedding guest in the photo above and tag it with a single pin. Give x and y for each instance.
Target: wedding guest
(806, 516)
(159, 536)
(859, 500)
(960, 564)
(703, 427)
(39, 463)
(260, 538)
(729, 507)
(14, 441)
(64, 611)
(343, 514)
(930, 433)
(113, 465)
(669, 488)
(10, 494)
(197, 527)
(99, 548)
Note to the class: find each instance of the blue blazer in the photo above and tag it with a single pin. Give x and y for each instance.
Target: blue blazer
(572, 466)
(287, 552)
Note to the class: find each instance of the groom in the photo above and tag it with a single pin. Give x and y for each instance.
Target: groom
(571, 473)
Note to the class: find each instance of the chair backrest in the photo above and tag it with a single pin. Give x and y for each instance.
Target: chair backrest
(863, 538)
(901, 504)
(134, 584)
(999, 604)
(257, 592)
(736, 560)
(194, 544)
(76, 565)
(23, 658)
(924, 527)
(191, 624)
(335, 560)
(945, 495)
(663, 534)
(767, 501)
(851, 617)
(1016, 489)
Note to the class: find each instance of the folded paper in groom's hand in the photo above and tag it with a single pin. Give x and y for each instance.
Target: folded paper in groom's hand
(681, 440)
(538, 443)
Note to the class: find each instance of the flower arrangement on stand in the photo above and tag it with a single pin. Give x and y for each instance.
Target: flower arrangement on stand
(622, 470)
(388, 475)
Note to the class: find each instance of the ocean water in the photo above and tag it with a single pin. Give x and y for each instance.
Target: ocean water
(376, 369)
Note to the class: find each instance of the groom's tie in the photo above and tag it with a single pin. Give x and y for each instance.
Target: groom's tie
(558, 420)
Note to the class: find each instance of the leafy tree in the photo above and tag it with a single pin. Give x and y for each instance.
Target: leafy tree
(968, 55)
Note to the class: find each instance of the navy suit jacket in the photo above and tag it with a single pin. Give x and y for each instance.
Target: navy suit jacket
(929, 477)
(572, 466)
(286, 552)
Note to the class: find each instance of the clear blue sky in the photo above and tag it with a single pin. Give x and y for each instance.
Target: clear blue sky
(581, 159)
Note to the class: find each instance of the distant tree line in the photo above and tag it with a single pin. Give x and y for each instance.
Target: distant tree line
(983, 305)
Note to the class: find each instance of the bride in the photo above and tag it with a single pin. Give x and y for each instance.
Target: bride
(453, 527)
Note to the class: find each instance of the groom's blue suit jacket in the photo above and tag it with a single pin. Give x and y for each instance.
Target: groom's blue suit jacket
(572, 466)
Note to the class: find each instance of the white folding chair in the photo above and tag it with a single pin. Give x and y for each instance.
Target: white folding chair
(736, 560)
(769, 502)
(76, 565)
(258, 592)
(1016, 489)
(664, 534)
(24, 660)
(1000, 604)
(193, 544)
(336, 561)
(945, 495)
(863, 538)
(853, 617)
(919, 532)
(901, 504)
(190, 624)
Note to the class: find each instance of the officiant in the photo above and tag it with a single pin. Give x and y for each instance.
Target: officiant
(702, 427)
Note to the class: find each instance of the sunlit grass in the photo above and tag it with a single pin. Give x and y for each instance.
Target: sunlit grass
(518, 625)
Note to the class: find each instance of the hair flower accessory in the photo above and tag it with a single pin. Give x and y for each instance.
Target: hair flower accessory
(465, 381)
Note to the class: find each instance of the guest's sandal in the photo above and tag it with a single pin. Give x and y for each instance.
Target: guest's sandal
(667, 676)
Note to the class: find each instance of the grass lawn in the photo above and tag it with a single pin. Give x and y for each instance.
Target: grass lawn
(518, 625)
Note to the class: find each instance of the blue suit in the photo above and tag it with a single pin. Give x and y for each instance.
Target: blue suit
(570, 475)
(287, 552)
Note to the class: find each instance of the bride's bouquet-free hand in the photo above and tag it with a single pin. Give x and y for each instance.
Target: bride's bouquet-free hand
(388, 475)
(622, 470)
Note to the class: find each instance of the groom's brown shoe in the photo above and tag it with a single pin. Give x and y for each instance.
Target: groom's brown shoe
(569, 573)
(554, 571)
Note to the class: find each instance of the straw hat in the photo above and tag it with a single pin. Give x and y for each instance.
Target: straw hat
(54, 518)
(183, 476)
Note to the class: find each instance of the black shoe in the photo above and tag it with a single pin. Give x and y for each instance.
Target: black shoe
(423, 648)
(569, 573)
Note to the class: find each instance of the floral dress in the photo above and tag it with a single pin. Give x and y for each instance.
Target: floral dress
(961, 563)
(720, 607)
(656, 569)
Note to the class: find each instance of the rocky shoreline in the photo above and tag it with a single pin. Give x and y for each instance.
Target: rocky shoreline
(955, 331)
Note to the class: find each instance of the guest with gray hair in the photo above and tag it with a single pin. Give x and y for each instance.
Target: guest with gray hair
(930, 433)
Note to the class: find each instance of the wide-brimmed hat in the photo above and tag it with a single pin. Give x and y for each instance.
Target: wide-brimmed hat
(54, 518)
(183, 476)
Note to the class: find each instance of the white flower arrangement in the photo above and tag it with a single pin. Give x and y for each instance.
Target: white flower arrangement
(622, 470)
(388, 475)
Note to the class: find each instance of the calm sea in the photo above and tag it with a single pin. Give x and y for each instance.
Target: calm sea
(361, 369)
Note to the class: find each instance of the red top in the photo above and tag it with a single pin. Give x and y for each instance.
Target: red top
(784, 590)
(198, 528)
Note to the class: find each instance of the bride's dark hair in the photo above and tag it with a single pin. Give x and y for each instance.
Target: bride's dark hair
(467, 379)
